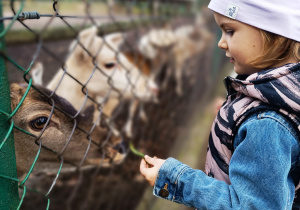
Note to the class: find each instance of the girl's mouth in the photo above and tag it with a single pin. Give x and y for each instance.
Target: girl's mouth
(231, 60)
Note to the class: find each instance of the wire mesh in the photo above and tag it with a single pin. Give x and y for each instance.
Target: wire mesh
(88, 78)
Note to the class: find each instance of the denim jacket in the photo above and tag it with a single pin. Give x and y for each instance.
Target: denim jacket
(266, 151)
(276, 89)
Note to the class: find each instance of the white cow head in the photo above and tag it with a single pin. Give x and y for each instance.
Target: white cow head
(98, 62)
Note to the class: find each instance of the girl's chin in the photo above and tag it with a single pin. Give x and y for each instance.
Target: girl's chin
(245, 70)
(237, 70)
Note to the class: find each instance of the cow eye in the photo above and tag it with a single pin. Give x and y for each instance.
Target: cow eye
(38, 123)
(109, 65)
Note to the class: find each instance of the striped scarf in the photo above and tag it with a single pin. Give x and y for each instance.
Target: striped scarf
(275, 89)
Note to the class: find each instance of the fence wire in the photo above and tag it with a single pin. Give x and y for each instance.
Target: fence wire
(88, 79)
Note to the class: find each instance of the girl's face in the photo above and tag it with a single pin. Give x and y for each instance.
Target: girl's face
(242, 43)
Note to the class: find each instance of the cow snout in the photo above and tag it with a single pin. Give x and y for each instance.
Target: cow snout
(153, 87)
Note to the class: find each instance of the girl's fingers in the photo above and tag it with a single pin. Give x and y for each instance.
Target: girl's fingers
(149, 160)
(143, 167)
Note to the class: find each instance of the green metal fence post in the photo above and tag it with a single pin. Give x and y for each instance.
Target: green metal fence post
(9, 197)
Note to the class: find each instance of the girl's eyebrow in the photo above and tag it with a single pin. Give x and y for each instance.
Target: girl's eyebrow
(222, 25)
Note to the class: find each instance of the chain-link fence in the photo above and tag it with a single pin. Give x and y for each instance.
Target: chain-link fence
(87, 79)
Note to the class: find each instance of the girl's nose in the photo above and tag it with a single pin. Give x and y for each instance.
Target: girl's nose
(222, 44)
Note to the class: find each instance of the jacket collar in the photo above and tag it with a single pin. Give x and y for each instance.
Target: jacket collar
(277, 86)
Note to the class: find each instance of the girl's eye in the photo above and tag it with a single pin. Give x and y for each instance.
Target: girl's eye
(109, 65)
(230, 32)
(38, 123)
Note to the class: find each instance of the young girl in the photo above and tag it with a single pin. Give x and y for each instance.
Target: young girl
(253, 154)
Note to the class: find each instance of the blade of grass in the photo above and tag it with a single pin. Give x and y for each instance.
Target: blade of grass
(134, 151)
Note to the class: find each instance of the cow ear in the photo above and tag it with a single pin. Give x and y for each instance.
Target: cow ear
(16, 93)
(85, 38)
(146, 48)
(162, 38)
(88, 113)
(115, 40)
(36, 73)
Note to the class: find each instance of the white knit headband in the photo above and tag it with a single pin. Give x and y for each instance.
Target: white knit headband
(280, 17)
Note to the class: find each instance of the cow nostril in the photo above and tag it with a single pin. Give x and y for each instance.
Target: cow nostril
(153, 87)
(154, 90)
(121, 147)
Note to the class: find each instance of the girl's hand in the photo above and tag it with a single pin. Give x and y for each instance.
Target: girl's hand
(150, 169)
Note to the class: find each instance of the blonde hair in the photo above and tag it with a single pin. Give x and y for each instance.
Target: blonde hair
(276, 49)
